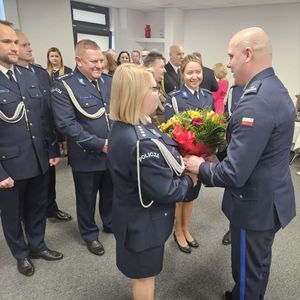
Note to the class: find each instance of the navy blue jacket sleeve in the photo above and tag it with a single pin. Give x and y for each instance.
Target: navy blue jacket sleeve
(246, 146)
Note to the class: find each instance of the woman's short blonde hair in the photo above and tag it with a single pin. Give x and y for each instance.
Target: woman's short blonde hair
(130, 85)
(220, 70)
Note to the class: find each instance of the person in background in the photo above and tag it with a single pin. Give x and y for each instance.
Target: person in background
(25, 58)
(55, 64)
(80, 102)
(172, 78)
(27, 148)
(144, 53)
(259, 196)
(109, 64)
(155, 62)
(190, 96)
(219, 96)
(209, 81)
(146, 187)
(123, 57)
(135, 56)
(113, 53)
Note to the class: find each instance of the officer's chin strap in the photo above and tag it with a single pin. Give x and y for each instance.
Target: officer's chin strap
(96, 115)
(170, 160)
(17, 116)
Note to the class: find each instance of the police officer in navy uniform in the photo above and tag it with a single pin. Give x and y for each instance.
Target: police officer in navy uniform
(190, 96)
(80, 102)
(24, 157)
(259, 195)
(147, 183)
(25, 58)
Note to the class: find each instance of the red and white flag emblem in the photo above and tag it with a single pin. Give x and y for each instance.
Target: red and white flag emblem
(247, 121)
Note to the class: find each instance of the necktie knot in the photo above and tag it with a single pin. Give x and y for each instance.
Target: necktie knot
(95, 84)
(196, 94)
(10, 75)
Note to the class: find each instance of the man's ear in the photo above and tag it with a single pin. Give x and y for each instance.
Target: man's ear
(78, 61)
(249, 54)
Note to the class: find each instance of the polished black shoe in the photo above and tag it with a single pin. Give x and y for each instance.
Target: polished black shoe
(227, 238)
(95, 247)
(194, 243)
(185, 249)
(25, 267)
(62, 216)
(227, 296)
(107, 229)
(47, 255)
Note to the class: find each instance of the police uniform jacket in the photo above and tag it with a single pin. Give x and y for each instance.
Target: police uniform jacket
(25, 146)
(255, 172)
(134, 226)
(172, 80)
(186, 100)
(85, 136)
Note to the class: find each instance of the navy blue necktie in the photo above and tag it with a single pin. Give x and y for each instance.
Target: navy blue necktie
(11, 78)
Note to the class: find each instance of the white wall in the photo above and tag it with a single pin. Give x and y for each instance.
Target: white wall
(208, 31)
(46, 24)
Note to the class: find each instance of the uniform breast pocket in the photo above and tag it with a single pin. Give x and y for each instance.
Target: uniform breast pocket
(35, 92)
(89, 105)
(8, 104)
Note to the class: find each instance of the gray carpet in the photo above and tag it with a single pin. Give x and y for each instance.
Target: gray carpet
(205, 274)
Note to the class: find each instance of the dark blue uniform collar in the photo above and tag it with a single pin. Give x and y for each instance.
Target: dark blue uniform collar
(260, 76)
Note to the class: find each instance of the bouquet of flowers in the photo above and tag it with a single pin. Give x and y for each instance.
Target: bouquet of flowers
(197, 132)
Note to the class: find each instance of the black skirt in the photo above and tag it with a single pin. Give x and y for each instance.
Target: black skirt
(136, 265)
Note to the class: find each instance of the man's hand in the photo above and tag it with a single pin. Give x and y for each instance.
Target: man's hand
(7, 183)
(192, 163)
(105, 147)
(63, 146)
(54, 161)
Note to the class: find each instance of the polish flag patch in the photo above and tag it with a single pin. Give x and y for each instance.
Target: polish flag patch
(247, 121)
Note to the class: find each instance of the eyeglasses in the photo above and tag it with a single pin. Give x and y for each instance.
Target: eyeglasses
(155, 89)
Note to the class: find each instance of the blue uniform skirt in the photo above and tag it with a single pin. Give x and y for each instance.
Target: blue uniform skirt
(142, 264)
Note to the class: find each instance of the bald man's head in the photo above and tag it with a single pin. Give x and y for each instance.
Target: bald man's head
(176, 55)
(250, 52)
(25, 51)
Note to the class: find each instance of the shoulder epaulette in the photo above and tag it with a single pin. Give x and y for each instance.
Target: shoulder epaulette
(142, 133)
(106, 74)
(65, 76)
(174, 93)
(38, 66)
(253, 88)
(205, 91)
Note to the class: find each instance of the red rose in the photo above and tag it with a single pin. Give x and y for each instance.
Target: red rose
(197, 121)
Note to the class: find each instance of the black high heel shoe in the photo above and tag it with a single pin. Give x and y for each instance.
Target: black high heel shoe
(194, 243)
(185, 249)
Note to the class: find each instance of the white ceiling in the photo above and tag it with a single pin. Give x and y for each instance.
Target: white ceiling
(182, 4)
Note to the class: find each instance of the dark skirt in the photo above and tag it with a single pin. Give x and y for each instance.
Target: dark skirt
(194, 193)
(136, 265)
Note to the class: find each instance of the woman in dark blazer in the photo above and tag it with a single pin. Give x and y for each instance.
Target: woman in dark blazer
(189, 96)
(147, 175)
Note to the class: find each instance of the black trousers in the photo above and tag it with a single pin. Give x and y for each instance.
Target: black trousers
(52, 207)
(251, 254)
(87, 186)
(23, 215)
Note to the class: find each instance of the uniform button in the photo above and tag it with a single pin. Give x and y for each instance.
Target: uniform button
(27, 110)
(23, 97)
(86, 104)
(4, 100)
(3, 156)
(105, 104)
(33, 137)
(30, 124)
(241, 196)
(84, 150)
(166, 214)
